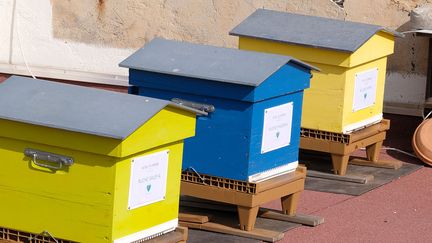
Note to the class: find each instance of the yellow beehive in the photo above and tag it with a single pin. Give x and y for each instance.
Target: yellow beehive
(347, 94)
(88, 165)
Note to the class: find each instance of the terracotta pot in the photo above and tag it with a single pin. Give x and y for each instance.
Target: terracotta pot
(422, 141)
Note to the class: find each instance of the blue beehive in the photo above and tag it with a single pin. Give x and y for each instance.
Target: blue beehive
(254, 131)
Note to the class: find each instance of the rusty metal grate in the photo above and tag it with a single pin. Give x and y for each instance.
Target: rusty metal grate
(323, 135)
(240, 186)
(24, 237)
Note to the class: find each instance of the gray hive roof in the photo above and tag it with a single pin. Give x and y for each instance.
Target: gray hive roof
(74, 108)
(207, 62)
(305, 30)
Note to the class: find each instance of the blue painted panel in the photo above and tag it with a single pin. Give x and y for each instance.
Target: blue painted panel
(228, 142)
(221, 144)
(190, 85)
(261, 162)
(133, 90)
(288, 79)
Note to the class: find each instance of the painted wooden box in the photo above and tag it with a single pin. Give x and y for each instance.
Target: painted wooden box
(89, 165)
(348, 93)
(253, 132)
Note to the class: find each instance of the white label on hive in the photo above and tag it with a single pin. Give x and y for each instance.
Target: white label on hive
(277, 127)
(148, 179)
(365, 87)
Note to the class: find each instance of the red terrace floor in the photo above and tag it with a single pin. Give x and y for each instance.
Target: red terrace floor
(397, 212)
(400, 211)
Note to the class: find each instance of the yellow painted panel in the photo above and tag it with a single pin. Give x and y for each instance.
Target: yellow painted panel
(169, 125)
(87, 203)
(76, 202)
(351, 117)
(378, 46)
(304, 53)
(81, 203)
(63, 138)
(323, 101)
(127, 221)
(327, 104)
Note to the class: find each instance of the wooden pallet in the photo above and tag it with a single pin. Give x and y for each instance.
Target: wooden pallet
(341, 146)
(14, 236)
(180, 235)
(206, 221)
(247, 198)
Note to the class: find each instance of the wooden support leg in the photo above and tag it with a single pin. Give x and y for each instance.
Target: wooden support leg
(340, 163)
(373, 151)
(247, 217)
(289, 203)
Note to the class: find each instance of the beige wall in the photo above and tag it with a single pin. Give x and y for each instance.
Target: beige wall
(84, 40)
(130, 23)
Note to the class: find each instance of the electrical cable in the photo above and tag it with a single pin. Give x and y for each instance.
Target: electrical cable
(397, 150)
(400, 151)
(20, 42)
(427, 116)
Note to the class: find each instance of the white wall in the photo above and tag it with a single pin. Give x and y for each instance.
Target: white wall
(67, 57)
(50, 57)
(6, 7)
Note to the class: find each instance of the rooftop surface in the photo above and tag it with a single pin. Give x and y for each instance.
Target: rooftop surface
(207, 62)
(75, 108)
(317, 32)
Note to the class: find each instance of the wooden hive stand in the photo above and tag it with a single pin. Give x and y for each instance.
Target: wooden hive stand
(180, 235)
(341, 146)
(247, 197)
(14, 236)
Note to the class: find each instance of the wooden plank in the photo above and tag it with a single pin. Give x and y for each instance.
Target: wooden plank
(180, 235)
(277, 192)
(256, 233)
(281, 180)
(361, 179)
(365, 142)
(193, 218)
(212, 193)
(185, 232)
(389, 164)
(366, 136)
(174, 237)
(315, 144)
(284, 186)
(240, 198)
(369, 137)
(309, 220)
(206, 205)
(366, 132)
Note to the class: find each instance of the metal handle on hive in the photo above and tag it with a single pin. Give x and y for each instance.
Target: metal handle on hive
(59, 161)
(195, 105)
